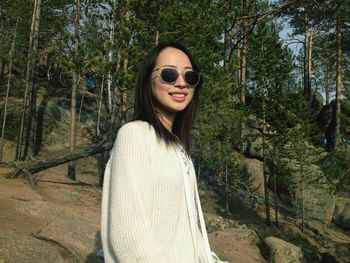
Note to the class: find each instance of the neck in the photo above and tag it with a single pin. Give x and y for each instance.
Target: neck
(166, 119)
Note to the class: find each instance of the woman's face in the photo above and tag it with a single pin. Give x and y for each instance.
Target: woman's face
(171, 97)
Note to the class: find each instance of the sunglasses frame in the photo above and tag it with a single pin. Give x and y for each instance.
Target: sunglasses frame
(178, 74)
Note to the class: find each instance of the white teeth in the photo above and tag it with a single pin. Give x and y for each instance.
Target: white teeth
(179, 95)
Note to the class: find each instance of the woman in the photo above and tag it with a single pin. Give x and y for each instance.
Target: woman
(149, 206)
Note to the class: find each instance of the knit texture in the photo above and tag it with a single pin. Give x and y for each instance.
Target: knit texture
(144, 213)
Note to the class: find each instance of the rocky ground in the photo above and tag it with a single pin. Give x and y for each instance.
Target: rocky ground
(59, 221)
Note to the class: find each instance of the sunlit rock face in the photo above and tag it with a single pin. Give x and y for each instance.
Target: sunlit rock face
(309, 189)
(341, 215)
(277, 251)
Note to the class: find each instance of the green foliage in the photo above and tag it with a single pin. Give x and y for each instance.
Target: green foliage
(272, 76)
(271, 63)
(336, 167)
(217, 129)
(10, 11)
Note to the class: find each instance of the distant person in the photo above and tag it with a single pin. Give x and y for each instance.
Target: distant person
(150, 202)
(90, 82)
(323, 141)
(254, 202)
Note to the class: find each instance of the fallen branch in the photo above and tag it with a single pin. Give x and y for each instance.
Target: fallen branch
(32, 167)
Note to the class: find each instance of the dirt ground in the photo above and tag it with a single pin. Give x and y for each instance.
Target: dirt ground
(59, 220)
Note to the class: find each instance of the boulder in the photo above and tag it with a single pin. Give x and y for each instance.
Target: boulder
(256, 149)
(236, 245)
(341, 215)
(252, 175)
(250, 134)
(247, 235)
(253, 122)
(326, 122)
(318, 199)
(277, 251)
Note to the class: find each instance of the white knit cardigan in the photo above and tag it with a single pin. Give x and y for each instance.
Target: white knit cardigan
(144, 213)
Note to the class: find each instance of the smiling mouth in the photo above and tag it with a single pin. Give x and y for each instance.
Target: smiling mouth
(178, 95)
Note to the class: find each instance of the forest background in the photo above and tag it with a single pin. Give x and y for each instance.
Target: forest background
(252, 70)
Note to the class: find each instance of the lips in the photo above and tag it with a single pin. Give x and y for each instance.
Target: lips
(178, 96)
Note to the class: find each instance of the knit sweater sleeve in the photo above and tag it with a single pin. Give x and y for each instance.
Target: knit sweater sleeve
(130, 237)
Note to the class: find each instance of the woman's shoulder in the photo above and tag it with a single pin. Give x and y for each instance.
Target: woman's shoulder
(136, 128)
(137, 125)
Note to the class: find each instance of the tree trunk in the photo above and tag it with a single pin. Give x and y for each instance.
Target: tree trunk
(8, 88)
(306, 77)
(302, 194)
(99, 108)
(275, 183)
(123, 91)
(124, 94)
(115, 98)
(110, 57)
(309, 65)
(239, 64)
(228, 41)
(264, 146)
(30, 134)
(244, 59)
(307, 57)
(103, 157)
(29, 86)
(226, 189)
(76, 81)
(327, 84)
(338, 84)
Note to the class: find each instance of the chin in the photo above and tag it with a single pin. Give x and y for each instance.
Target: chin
(178, 109)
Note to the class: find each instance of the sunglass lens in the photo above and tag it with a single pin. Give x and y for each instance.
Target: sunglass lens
(169, 75)
(192, 77)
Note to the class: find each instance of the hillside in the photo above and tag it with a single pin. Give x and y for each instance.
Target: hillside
(59, 221)
(270, 143)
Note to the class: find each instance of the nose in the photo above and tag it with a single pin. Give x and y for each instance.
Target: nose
(180, 82)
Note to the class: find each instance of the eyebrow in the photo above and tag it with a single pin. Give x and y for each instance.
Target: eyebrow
(172, 66)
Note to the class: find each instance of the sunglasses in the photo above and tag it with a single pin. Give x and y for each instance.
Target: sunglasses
(170, 75)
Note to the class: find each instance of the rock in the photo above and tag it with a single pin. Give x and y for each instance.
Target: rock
(19, 247)
(253, 122)
(256, 149)
(326, 121)
(76, 236)
(319, 204)
(278, 251)
(236, 245)
(341, 215)
(318, 198)
(250, 135)
(246, 235)
(317, 102)
(252, 175)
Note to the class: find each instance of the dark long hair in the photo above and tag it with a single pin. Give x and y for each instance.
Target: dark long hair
(144, 107)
